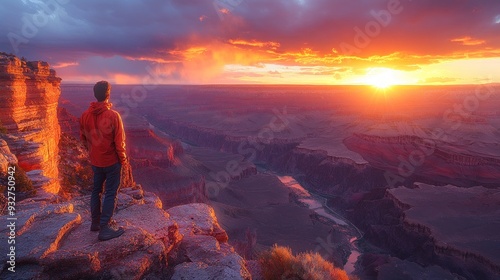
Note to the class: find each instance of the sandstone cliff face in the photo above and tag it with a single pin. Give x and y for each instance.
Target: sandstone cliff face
(29, 93)
(7, 158)
(184, 242)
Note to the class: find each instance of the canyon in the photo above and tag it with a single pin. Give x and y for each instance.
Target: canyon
(223, 154)
(344, 151)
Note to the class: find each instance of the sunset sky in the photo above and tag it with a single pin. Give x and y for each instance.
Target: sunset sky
(258, 41)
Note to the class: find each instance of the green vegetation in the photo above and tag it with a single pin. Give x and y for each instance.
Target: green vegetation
(280, 263)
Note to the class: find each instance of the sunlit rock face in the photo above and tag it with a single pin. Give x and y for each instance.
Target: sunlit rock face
(29, 94)
(6, 158)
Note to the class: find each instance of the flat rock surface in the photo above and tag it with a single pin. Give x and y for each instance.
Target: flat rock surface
(54, 241)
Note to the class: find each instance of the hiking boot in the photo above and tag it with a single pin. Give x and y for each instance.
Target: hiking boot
(96, 225)
(107, 233)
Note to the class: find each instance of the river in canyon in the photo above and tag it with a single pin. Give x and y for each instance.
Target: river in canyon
(318, 204)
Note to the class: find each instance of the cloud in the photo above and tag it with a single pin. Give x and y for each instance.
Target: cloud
(468, 41)
(97, 37)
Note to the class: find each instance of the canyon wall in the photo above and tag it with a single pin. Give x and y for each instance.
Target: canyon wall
(435, 160)
(29, 94)
(328, 175)
(385, 218)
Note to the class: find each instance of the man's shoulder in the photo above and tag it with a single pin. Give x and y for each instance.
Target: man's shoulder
(114, 114)
(85, 113)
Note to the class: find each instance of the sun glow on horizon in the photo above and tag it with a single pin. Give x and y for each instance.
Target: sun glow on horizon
(382, 78)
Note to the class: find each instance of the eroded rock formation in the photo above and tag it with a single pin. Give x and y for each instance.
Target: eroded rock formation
(185, 242)
(424, 225)
(7, 158)
(29, 93)
(435, 160)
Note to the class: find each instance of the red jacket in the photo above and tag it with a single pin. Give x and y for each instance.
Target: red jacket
(102, 133)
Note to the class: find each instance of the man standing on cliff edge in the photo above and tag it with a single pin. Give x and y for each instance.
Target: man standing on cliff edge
(102, 133)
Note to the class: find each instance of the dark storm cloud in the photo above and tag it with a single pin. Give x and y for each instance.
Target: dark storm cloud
(151, 29)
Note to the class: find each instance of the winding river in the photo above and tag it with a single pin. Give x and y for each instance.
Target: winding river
(318, 205)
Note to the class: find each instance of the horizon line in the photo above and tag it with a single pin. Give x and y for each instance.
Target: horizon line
(265, 84)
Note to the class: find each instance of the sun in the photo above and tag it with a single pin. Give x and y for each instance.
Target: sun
(382, 78)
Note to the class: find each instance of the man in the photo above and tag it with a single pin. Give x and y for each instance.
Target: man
(102, 133)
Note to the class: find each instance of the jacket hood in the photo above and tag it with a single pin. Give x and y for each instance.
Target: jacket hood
(99, 107)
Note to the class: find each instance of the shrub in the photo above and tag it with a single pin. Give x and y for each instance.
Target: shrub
(77, 179)
(3, 201)
(318, 268)
(280, 263)
(3, 130)
(23, 183)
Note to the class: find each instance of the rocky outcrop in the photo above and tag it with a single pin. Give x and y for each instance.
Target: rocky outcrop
(204, 252)
(29, 93)
(146, 148)
(7, 158)
(432, 159)
(53, 241)
(424, 225)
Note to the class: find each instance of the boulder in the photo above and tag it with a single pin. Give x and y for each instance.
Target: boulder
(198, 218)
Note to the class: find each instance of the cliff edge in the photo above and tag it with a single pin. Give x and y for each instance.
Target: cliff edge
(29, 94)
(54, 241)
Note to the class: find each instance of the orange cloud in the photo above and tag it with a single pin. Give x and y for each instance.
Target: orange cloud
(468, 41)
(65, 64)
(254, 43)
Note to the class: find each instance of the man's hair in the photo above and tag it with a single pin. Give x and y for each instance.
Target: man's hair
(102, 90)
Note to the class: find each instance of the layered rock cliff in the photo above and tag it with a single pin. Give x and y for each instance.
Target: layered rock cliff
(7, 158)
(429, 158)
(424, 225)
(29, 93)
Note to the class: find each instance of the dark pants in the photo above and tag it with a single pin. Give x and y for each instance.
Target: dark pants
(111, 175)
